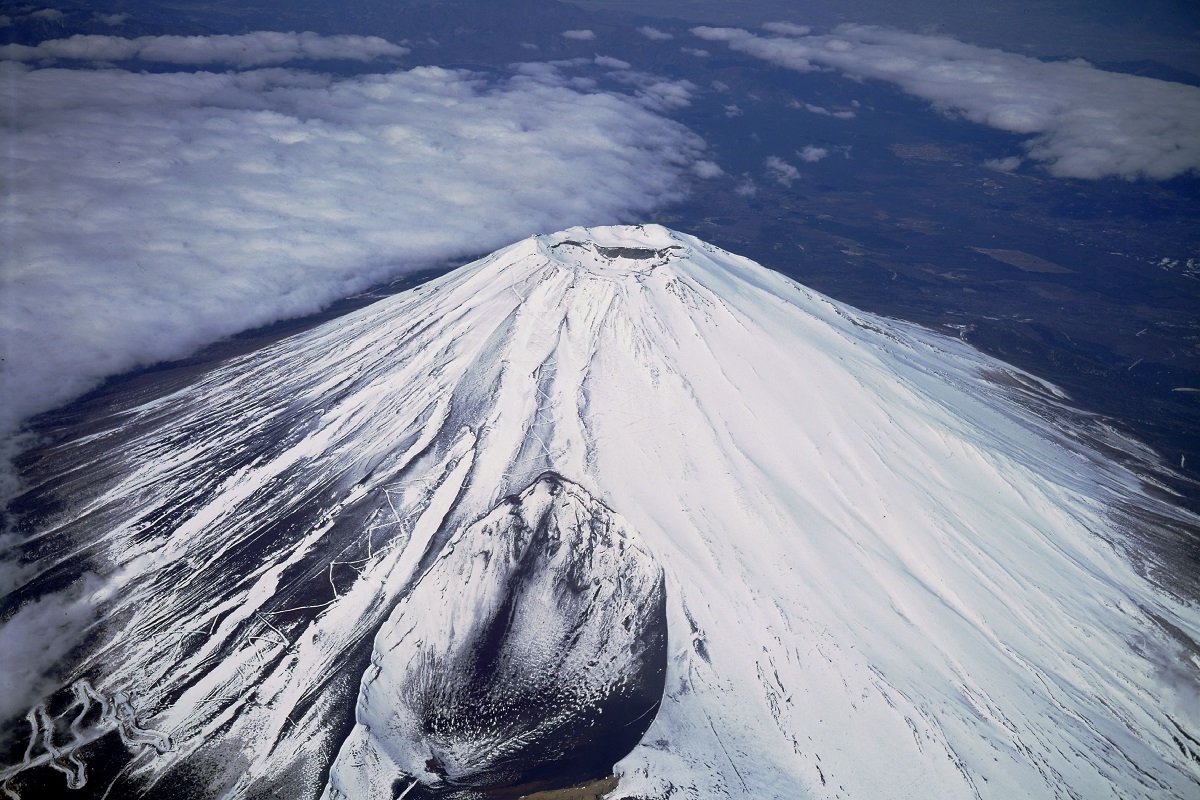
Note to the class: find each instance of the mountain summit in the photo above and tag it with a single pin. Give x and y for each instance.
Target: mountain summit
(888, 565)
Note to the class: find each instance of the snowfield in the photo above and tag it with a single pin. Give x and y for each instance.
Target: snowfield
(889, 571)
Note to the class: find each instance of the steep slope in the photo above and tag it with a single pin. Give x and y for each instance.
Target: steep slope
(888, 570)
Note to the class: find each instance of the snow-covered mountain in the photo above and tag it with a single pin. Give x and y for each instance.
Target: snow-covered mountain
(423, 549)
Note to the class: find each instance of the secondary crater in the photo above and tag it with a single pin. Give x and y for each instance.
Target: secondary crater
(531, 656)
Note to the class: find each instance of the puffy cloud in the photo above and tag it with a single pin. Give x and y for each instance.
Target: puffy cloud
(111, 19)
(787, 28)
(256, 49)
(1003, 164)
(1085, 122)
(655, 92)
(694, 51)
(782, 51)
(579, 35)
(654, 34)
(811, 154)
(149, 214)
(821, 110)
(781, 171)
(611, 63)
(661, 94)
(707, 169)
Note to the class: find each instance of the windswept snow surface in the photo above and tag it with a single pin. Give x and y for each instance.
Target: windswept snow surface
(888, 572)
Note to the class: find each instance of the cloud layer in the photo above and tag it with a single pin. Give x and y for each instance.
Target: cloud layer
(1085, 122)
(149, 214)
(261, 48)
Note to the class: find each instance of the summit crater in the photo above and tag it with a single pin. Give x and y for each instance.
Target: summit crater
(614, 251)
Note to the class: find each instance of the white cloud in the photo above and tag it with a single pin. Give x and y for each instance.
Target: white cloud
(654, 34)
(34, 643)
(50, 14)
(781, 171)
(111, 19)
(256, 49)
(707, 169)
(733, 110)
(1084, 122)
(692, 51)
(149, 214)
(653, 91)
(787, 28)
(579, 35)
(660, 94)
(822, 111)
(1003, 164)
(543, 71)
(811, 154)
(611, 63)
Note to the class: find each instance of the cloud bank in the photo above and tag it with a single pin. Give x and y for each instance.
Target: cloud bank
(1085, 122)
(261, 48)
(150, 214)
